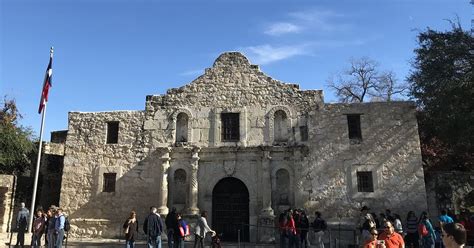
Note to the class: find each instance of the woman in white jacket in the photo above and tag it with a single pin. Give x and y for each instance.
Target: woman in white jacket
(201, 229)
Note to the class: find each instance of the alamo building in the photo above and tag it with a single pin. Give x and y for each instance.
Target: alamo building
(242, 146)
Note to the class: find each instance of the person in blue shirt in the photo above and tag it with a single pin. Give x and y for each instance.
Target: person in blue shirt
(59, 227)
(444, 218)
(428, 240)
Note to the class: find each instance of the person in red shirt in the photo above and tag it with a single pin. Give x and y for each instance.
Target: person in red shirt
(372, 242)
(390, 237)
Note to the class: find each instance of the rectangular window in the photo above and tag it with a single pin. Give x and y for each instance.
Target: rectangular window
(109, 182)
(112, 132)
(365, 181)
(230, 127)
(304, 133)
(355, 133)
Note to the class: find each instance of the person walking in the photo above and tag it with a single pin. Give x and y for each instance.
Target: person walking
(153, 226)
(22, 224)
(171, 225)
(38, 228)
(282, 220)
(181, 232)
(50, 227)
(131, 230)
(201, 229)
(397, 223)
(426, 231)
(293, 240)
(59, 227)
(411, 239)
(366, 222)
(304, 227)
(319, 226)
(453, 235)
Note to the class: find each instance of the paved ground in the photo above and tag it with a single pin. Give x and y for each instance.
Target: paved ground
(6, 239)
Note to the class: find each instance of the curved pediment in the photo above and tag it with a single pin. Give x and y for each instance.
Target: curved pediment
(234, 81)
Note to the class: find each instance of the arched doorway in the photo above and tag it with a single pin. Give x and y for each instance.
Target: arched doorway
(230, 209)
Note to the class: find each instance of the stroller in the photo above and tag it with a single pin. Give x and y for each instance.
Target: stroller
(216, 240)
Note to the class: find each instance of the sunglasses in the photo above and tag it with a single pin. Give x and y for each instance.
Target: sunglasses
(374, 234)
(387, 226)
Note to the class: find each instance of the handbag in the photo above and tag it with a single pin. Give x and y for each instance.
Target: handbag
(182, 232)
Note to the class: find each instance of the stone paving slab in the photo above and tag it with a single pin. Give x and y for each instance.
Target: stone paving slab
(5, 239)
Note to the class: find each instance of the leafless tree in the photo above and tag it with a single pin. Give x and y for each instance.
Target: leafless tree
(362, 80)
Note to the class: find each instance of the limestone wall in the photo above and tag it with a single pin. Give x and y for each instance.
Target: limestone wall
(231, 85)
(389, 148)
(320, 173)
(88, 157)
(6, 201)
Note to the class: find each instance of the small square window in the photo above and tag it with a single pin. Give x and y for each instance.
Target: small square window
(109, 182)
(365, 181)
(355, 133)
(112, 132)
(230, 127)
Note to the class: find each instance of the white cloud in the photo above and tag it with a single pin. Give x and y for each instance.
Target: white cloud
(265, 54)
(325, 20)
(280, 28)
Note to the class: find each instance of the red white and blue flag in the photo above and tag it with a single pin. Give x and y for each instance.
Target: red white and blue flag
(46, 85)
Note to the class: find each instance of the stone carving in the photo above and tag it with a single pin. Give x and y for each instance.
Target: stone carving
(229, 167)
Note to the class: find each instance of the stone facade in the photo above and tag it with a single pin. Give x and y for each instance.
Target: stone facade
(236, 132)
(7, 184)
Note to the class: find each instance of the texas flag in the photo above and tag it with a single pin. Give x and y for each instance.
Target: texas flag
(46, 85)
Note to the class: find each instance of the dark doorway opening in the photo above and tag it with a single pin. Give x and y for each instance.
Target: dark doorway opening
(230, 209)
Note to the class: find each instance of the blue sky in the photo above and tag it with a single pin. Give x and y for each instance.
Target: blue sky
(110, 54)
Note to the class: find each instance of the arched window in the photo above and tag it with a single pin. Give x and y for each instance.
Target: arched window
(280, 125)
(179, 190)
(283, 187)
(182, 127)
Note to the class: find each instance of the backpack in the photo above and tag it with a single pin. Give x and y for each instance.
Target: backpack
(422, 230)
(67, 225)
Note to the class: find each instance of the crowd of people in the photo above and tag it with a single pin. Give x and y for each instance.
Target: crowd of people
(49, 224)
(385, 230)
(177, 229)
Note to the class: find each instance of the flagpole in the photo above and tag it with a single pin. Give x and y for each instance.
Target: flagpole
(38, 161)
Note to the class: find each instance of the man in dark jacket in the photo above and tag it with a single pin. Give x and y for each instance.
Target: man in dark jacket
(22, 224)
(171, 222)
(153, 227)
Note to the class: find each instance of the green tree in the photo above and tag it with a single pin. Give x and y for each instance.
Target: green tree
(442, 83)
(16, 142)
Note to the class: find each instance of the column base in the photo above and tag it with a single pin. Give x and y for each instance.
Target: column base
(266, 225)
(192, 211)
(163, 210)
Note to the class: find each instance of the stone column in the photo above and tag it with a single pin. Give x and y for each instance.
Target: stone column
(266, 219)
(165, 165)
(193, 183)
(267, 184)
